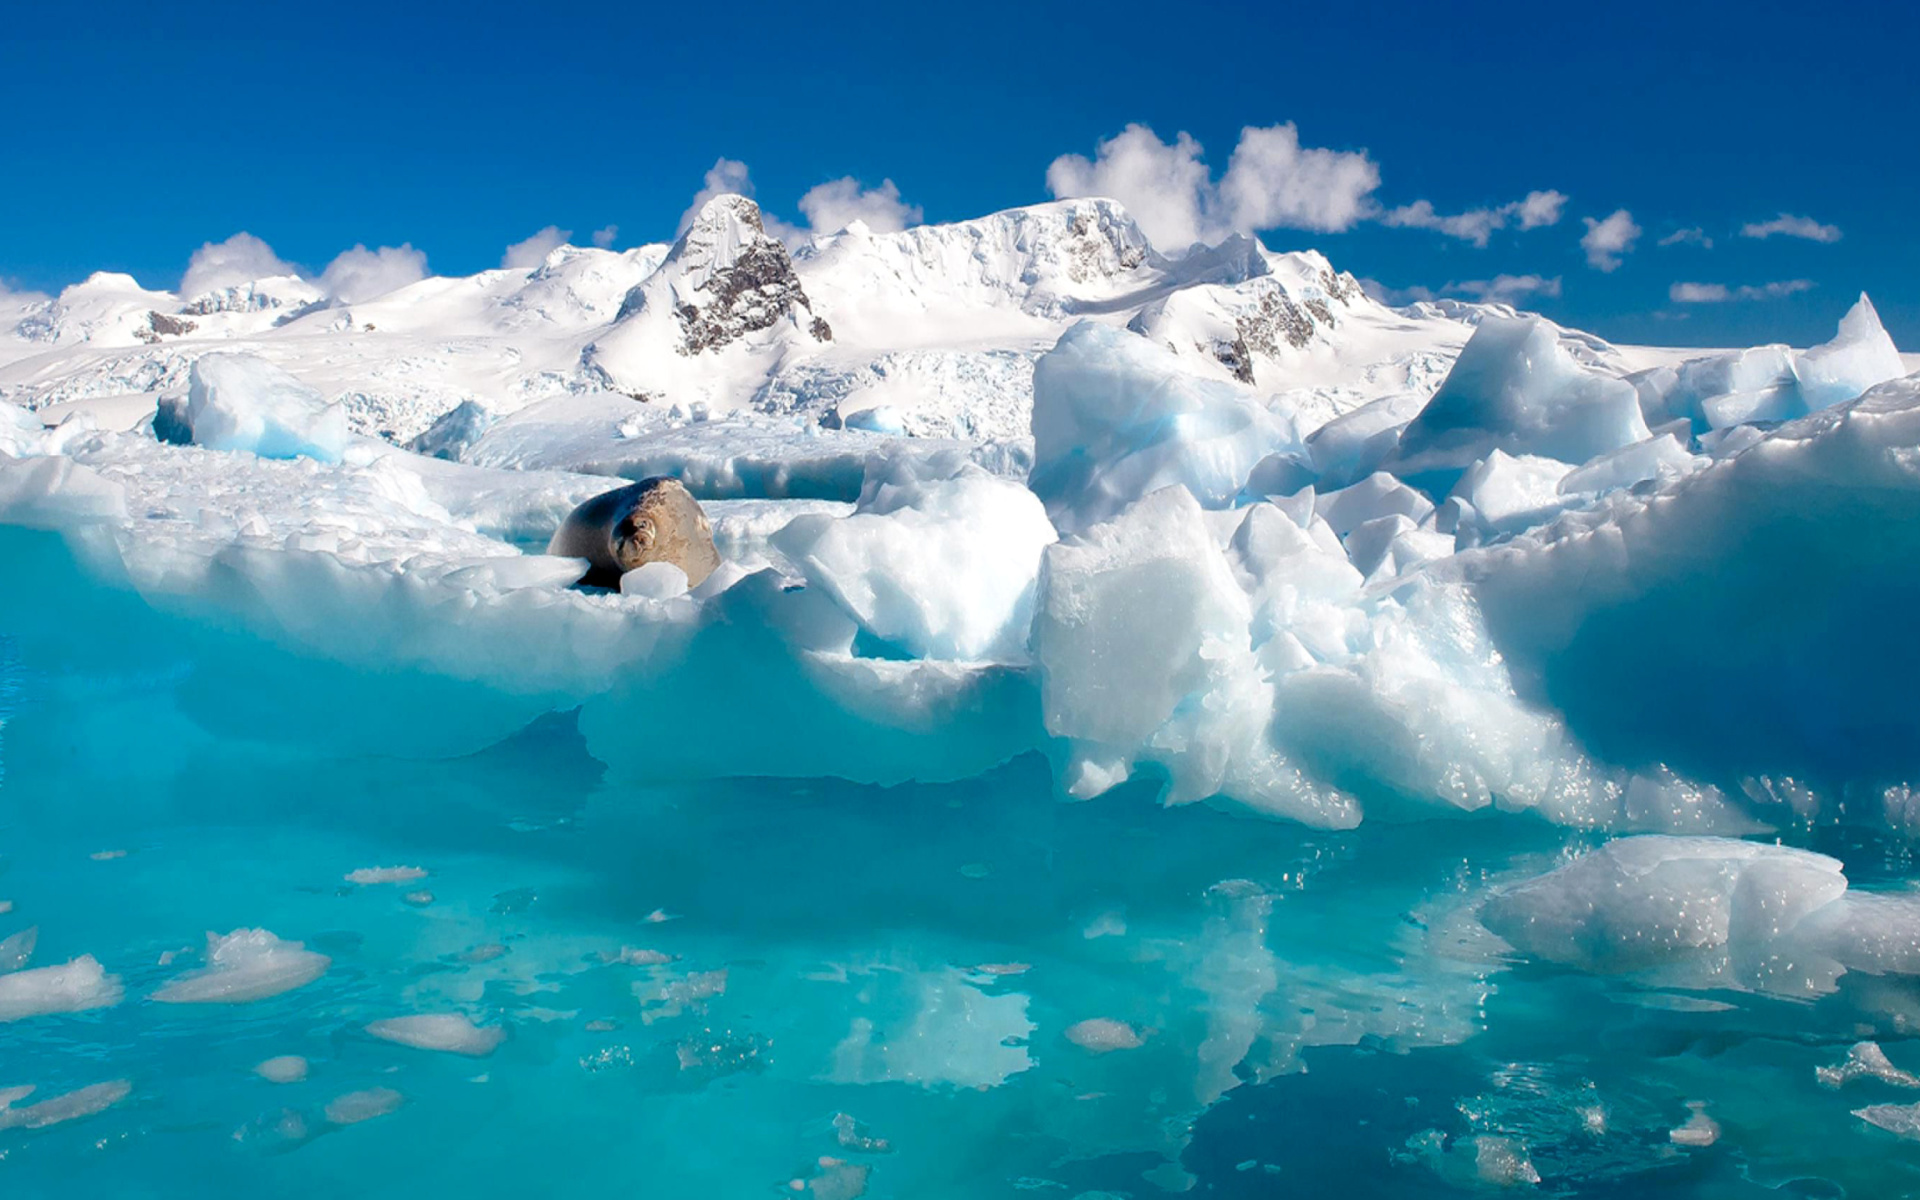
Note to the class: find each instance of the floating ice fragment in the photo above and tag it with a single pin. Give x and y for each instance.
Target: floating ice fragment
(71, 1106)
(635, 957)
(1901, 1119)
(17, 951)
(1699, 1131)
(449, 1033)
(370, 875)
(244, 966)
(670, 998)
(107, 855)
(355, 1107)
(417, 899)
(75, 986)
(1865, 1060)
(834, 1179)
(852, 1135)
(287, 1068)
(1103, 1035)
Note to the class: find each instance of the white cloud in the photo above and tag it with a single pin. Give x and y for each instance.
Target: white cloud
(1607, 240)
(1501, 289)
(1688, 237)
(361, 274)
(1539, 209)
(242, 258)
(525, 256)
(727, 175)
(1477, 225)
(832, 206)
(1506, 289)
(1788, 225)
(1271, 182)
(603, 238)
(20, 299)
(1720, 293)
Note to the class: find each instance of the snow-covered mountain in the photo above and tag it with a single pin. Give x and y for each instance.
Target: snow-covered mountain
(931, 331)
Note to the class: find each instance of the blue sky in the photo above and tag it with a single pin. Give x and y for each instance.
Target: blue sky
(134, 133)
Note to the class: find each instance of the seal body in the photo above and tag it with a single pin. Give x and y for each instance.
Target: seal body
(655, 520)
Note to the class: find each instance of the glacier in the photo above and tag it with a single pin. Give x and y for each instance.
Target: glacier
(1162, 724)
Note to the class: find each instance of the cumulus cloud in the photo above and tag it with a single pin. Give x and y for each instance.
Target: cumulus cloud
(1477, 225)
(727, 175)
(1506, 289)
(20, 299)
(832, 206)
(1501, 289)
(1271, 182)
(531, 253)
(242, 258)
(1788, 225)
(1606, 241)
(1720, 293)
(1688, 237)
(361, 274)
(603, 238)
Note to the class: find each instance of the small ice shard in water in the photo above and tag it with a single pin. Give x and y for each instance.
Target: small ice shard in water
(834, 1179)
(1902, 1119)
(852, 1135)
(287, 1068)
(68, 1107)
(70, 987)
(634, 957)
(355, 1107)
(1866, 1060)
(1699, 1131)
(449, 1033)
(1103, 1035)
(107, 855)
(673, 997)
(368, 875)
(17, 950)
(244, 966)
(418, 899)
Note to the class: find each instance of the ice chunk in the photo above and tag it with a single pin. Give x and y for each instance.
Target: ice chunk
(245, 966)
(1699, 1131)
(939, 568)
(287, 1068)
(1116, 417)
(1660, 457)
(1865, 1060)
(450, 1033)
(243, 402)
(879, 419)
(17, 951)
(1510, 493)
(1515, 388)
(372, 875)
(75, 986)
(455, 432)
(355, 1107)
(655, 581)
(1859, 356)
(1103, 1035)
(86, 1102)
(1131, 618)
(1901, 1119)
(1354, 444)
(1641, 901)
(1378, 495)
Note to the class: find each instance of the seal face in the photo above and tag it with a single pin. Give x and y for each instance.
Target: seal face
(655, 520)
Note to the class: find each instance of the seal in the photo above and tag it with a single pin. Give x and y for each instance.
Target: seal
(655, 520)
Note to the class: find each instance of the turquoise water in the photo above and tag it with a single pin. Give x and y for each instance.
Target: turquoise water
(1315, 1013)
